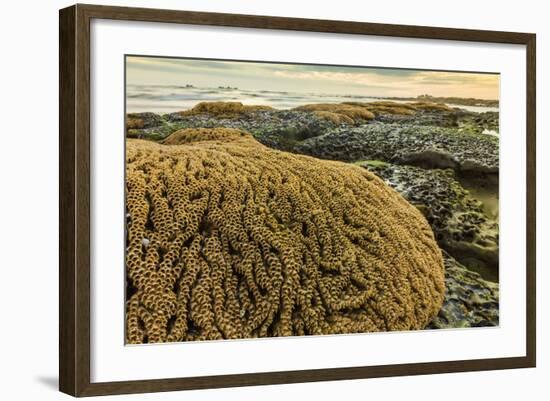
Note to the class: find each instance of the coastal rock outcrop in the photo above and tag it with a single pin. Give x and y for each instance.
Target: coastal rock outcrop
(283, 129)
(423, 146)
(143, 120)
(465, 122)
(470, 301)
(459, 223)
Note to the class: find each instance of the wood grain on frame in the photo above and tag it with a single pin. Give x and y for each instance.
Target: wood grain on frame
(74, 199)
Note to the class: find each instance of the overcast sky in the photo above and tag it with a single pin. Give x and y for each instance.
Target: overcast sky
(309, 78)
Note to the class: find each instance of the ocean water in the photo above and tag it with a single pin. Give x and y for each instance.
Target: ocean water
(167, 98)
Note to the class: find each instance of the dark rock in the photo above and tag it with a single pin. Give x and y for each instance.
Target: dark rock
(429, 158)
(425, 146)
(479, 122)
(467, 122)
(280, 129)
(470, 301)
(459, 223)
(448, 119)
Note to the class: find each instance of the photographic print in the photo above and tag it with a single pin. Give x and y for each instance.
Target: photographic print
(268, 199)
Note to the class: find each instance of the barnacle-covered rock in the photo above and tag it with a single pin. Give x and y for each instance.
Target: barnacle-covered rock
(227, 238)
(470, 301)
(479, 122)
(279, 129)
(282, 129)
(464, 121)
(422, 146)
(458, 220)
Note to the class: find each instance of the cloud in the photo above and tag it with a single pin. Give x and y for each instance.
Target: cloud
(420, 81)
(307, 77)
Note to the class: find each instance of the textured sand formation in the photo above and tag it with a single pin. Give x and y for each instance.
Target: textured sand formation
(223, 109)
(339, 113)
(227, 238)
(359, 112)
(389, 107)
(189, 135)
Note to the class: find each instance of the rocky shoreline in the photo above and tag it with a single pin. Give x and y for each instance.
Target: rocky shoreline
(424, 151)
(470, 301)
(459, 223)
(416, 145)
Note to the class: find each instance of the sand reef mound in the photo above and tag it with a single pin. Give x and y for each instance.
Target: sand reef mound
(338, 113)
(359, 112)
(409, 108)
(188, 135)
(227, 238)
(223, 109)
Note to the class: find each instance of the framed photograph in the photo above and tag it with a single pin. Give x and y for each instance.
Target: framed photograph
(250, 200)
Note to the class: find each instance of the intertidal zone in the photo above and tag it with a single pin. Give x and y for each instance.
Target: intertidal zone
(228, 238)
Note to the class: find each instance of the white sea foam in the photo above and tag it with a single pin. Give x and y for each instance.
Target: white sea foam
(171, 98)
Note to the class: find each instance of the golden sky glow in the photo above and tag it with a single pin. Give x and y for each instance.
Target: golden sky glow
(310, 78)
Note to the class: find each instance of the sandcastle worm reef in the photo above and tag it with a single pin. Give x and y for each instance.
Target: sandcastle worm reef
(247, 221)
